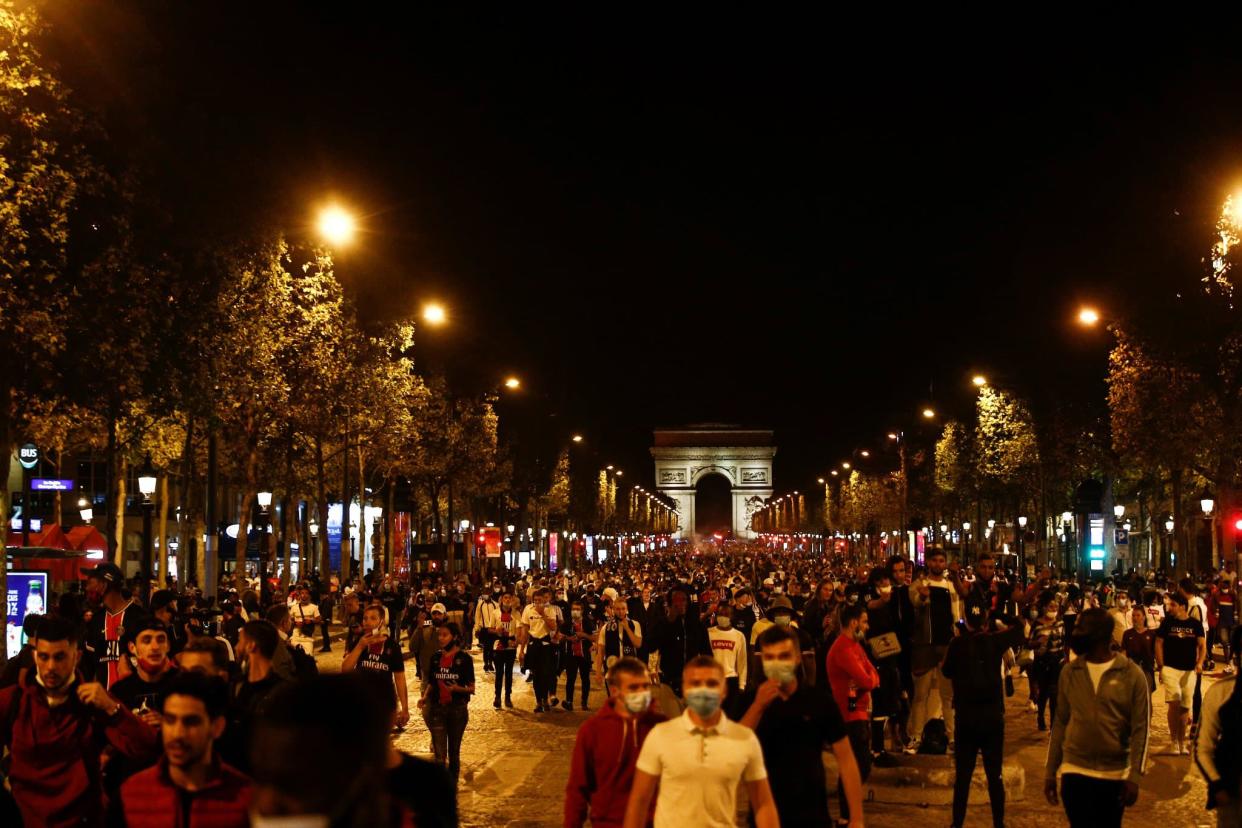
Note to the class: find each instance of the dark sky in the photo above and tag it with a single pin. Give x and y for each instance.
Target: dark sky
(808, 224)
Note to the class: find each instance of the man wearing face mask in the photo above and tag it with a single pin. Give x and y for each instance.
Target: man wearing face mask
(729, 650)
(607, 747)
(794, 722)
(697, 760)
(579, 635)
(486, 620)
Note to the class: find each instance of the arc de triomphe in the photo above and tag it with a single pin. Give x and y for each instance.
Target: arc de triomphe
(684, 456)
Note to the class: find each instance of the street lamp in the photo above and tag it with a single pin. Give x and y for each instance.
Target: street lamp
(865, 453)
(577, 438)
(1207, 504)
(979, 380)
(336, 225)
(85, 510)
(434, 314)
(1088, 316)
(513, 383)
(1119, 511)
(264, 500)
(845, 466)
(146, 486)
(929, 413)
(1021, 548)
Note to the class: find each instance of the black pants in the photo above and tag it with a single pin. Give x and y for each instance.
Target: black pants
(1046, 672)
(325, 613)
(1092, 803)
(859, 734)
(1197, 701)
(541, 661)
(577, 667)
(503, 660)
(974, 732)
(486, 639)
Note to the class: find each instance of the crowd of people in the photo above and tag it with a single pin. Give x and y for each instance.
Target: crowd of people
(719, 669)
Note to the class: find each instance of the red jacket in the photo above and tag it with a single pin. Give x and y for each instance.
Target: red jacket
(602, 770)
(847, 662)
(151, 799)
(55, 753)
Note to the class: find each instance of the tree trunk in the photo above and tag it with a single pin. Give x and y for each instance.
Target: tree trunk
(116, 491)
(186, 514)
(1179, 523)
(57, 496)
(243, 540)
(162, 533)
(117, 515)
(6, 466)
(286, 574)
(321, 516)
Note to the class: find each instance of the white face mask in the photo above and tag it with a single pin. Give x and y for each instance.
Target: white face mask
(637, 703)
(885, 590)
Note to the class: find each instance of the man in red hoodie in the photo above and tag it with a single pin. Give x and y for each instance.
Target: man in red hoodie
(607, 747)
(56, 726)
(852, 677)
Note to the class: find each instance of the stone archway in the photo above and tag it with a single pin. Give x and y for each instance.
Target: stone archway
(713, 504)
(685, 456)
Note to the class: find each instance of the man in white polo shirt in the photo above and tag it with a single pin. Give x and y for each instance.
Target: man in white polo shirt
(697, 760)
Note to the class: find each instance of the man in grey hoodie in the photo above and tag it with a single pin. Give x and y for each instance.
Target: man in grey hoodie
(1100, 730)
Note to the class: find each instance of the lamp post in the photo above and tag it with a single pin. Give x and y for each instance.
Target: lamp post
(1168, 531)
(1021, 548)
(1208, 505)
(965, 540)
(146, 485)
(265, 501)
(85, 510)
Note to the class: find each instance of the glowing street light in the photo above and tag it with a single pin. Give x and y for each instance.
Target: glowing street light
(821, 481)
(892, 435)
(435, 314)
(865, 453)
(928, 413)
(834, 473)
(577, 438)
(513, 383)
(336, 225)
(979, 380)
(845, 466)
(1088, 316)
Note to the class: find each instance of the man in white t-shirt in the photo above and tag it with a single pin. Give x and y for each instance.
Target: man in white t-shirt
(697, 761)
(729, 650)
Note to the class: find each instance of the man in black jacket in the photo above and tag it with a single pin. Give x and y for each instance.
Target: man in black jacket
(681, 637)
(973, 664)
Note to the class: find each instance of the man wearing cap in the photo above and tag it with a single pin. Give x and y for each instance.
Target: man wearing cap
(424, 642)
(164, 608)
(105, 661)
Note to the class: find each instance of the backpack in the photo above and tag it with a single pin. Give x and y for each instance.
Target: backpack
(935, 739)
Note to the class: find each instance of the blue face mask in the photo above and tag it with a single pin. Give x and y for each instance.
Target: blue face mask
(704, 701)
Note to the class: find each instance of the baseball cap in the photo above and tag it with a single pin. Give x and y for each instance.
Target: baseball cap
(438, 607)
(781, 603)
(162, 598)
(108, 572)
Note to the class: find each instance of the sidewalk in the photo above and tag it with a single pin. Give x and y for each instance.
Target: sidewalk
(515, 764)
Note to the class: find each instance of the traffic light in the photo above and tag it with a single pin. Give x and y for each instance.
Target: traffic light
(1237, 523)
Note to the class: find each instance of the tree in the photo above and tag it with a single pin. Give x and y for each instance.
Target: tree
(1006, 451)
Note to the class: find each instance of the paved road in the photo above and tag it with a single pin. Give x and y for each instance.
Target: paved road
(515, 764)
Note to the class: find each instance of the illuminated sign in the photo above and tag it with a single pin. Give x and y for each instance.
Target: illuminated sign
(43, 484)
(27, 595)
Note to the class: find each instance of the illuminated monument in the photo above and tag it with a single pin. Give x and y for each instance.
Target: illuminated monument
(686, 457)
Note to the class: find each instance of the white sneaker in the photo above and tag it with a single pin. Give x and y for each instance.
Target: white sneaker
(1229, 671)
(1185, 749)
(912, 747)
(1032, 707)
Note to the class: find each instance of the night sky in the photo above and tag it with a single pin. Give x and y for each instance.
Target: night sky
(805, 224)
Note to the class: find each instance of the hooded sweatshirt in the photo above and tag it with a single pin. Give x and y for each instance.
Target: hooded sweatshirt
(602, 770)
(55, 752)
